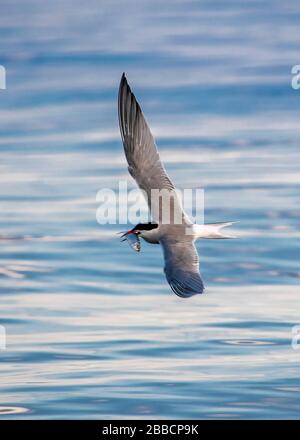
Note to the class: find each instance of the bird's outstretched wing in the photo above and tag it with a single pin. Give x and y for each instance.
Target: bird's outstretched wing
(182, 266)
(144, 163)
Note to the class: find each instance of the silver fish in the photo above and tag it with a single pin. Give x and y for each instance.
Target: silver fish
(134, 242)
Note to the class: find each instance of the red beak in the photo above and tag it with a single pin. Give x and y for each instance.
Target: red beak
(131, 231)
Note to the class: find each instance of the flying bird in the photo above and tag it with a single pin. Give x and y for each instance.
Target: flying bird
(177, 238)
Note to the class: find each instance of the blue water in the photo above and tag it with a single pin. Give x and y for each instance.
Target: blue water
(93, 330)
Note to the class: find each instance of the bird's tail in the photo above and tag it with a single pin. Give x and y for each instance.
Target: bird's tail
(216, 230)
(213, 230)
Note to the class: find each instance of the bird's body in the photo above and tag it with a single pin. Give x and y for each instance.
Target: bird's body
(196, 231)
(176, 235)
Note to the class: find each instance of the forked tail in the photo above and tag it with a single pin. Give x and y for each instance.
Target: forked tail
(213, 230)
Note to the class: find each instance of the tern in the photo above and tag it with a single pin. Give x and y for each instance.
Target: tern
(177, 238)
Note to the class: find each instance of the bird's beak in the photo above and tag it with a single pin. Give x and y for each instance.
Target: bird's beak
(132, 239)
(124, 234)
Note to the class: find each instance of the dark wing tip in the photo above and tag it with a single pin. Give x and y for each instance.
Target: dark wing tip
(123, 78)
(123, 83)
(128, 109)
(185, 288)
(124, 90)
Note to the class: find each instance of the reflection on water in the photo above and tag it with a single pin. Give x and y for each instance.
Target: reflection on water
(248, 342)
(93, 329)
(12, 410)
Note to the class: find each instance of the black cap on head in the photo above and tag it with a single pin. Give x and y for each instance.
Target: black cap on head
(145, 226)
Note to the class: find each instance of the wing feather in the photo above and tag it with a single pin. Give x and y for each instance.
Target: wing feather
(143, 160)
(182, 267)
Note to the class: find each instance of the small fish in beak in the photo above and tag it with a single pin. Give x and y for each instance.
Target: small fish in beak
(133, 240)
